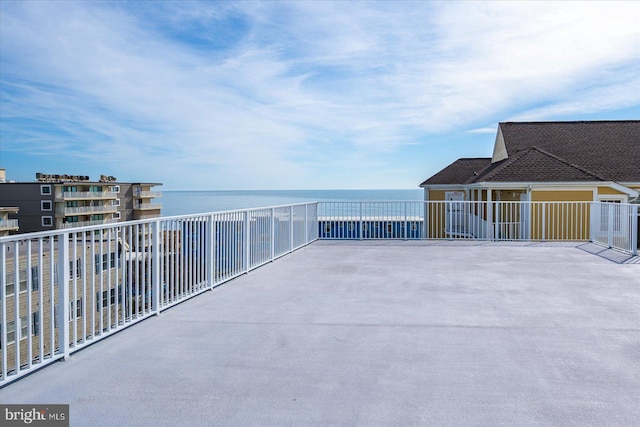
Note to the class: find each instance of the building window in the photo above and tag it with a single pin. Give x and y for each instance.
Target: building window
(108, 261)
(35, 280)
(75, 271)
(35, 322)
(11, 330)
(47, 221)
(116, 215)
(75, 309)
(69, 189)
(72, 204)
(115, 189)
(67, 219)
(46, 205)
(115, 202)
(45, 190)
(95, 189)
(106, 300)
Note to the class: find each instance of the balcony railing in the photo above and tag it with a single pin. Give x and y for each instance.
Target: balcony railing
(147, 194)
(113, 276)
(66, 225)
(148, 206)
(63, 290)
(85, 195)
(85, 210)
(8, 224)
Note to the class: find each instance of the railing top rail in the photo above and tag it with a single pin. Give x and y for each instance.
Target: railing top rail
(174, 217)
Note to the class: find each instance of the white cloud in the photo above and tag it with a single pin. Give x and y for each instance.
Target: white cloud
(300, 81)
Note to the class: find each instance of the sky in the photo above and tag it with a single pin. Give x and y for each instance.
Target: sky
(298, 95)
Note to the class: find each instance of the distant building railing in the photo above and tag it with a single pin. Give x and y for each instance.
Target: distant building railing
(8, 224)
(152, 194)
(79, 210)
(85, 195)
(63, 290)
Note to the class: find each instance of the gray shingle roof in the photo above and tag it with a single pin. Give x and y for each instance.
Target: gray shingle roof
(538, 163)
(610, 149)
(459, 172)
(556, 152)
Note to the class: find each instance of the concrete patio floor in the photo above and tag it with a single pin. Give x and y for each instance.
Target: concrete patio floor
(344, 333)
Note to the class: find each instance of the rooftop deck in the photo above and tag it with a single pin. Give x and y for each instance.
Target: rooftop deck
(375, 333)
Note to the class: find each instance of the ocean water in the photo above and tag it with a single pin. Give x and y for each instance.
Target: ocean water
(195, 202)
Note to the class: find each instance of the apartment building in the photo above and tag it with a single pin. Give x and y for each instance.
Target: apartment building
(63, 201)
(108, 283)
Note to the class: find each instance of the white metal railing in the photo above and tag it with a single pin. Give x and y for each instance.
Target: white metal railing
(145, 206)
(615, 225)
(66, 225)
(481, 220)
(152, 194)
(63, 290)
(88, 195)
(80, 210)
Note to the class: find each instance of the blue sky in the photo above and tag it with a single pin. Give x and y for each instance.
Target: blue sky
(298, 95)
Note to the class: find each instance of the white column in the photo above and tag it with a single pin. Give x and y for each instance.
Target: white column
(489, 215)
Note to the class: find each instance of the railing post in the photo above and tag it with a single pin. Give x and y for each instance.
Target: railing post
(306, 224)
(211, 251)
(544, 221)
(247, 241)
(156, 274)
(273, 234)
(593, 223)
(425, 221)
(406, 223)
(360, 221)
(489, 215)
(290, 228)
(634, 229)
(63, 294)
(3, 312)
(610, 226)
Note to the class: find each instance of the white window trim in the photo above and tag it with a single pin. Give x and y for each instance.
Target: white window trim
(42, 202)
(616, 198)
(115, 189)
(47, 225)
(116, 215)
(115, 202)
(42, 187)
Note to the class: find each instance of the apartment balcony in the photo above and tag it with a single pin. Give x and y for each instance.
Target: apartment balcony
(86, 210)
(85, 195)
(8, 225)
(147, 206)
(146, 194)
(67, 225)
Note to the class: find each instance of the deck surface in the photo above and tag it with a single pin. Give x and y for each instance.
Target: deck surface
(375, 334)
